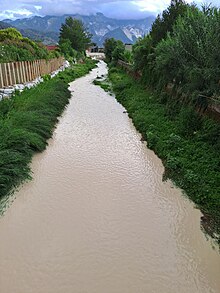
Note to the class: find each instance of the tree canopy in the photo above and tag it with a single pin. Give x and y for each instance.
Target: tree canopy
(73, 30)
(164, 23)
(115, 50)
(109, 46)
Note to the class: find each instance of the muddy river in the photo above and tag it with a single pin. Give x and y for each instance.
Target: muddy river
(97, 218)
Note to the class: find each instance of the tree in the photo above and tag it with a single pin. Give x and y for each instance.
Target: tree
(10, 34)
(144, 49)
(114, 50)
(109, 47)
(141, 51)
(118, 53)
(67, 50)
(75, 31)
(164, 23)
(190, 56)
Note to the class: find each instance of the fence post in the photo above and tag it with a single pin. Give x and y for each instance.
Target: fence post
(26, 71)
(38, 68)
(34, 67)
(16, 72)
(6, 75)
(32, 74)
(29, 70)
(13, 72)
(1, 77)
(9, 73)
(20, 72)
(23, 70)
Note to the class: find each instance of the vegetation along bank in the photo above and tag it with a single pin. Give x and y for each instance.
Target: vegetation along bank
(185, 141)
(178, 68)
(27, 121)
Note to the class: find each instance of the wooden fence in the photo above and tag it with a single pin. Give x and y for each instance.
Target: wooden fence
(125, 65)
(25, 71)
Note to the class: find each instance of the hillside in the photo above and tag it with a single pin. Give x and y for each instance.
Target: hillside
(99, 25)
(35, 35)
(4, 25)
(16, 47)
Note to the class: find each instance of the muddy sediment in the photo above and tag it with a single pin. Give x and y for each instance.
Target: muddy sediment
(97, 216)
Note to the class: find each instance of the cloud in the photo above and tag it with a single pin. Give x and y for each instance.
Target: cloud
(111, 8)
(18, 13)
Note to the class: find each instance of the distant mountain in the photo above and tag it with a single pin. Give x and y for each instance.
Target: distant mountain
(4, 25)
(46, 37)
(118, 34)
(99, 25)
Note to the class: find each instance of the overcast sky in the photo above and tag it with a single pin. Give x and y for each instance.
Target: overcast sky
(111, 8)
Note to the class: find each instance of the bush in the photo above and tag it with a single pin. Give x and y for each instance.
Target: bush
(13, 47)
(188, 122)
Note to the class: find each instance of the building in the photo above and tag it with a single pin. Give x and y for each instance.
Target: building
(128, 47)
(51, 47)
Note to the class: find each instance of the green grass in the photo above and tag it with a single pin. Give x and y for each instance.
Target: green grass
(27, 121)
(187, 143)
(104, 84)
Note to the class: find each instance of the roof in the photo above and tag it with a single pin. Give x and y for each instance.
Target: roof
(51, 47)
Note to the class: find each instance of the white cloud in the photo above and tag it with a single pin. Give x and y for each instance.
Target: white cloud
(111, 8)
(15, 13)
(37, 7)
(152, 5)
(156, 6)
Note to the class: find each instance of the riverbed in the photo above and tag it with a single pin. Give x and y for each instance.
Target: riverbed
(97, 217)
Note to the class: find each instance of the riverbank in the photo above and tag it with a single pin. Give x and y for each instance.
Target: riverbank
(187, 143)
(97, 217)
(27, 121)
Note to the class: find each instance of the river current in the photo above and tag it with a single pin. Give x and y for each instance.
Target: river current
(97, 217)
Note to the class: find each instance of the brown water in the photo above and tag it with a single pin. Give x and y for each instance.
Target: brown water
(97, 217)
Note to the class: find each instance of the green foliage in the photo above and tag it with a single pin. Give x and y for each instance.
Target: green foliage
(127, 56)
(180, 61)
(10, 34)
(104, 84)
(141, 52)
(46, 77)
(67, 50)
(13, 47)
(190, 56)
(118, 52)
(188, 144)
(144, 49)
(188, 122)
(115, 50)
(164, 23)
(182, 50)
(109, 47)
(26, 122)
(74, 31)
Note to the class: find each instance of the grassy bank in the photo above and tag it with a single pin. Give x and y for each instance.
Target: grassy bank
(187, 143)
(27, 121)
